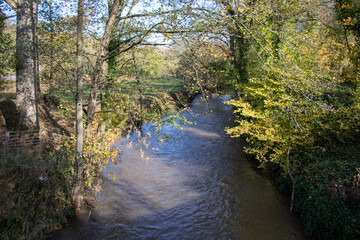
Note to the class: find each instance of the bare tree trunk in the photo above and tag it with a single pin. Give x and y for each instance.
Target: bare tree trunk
(26, 66)
(79, 106)
(96, 80)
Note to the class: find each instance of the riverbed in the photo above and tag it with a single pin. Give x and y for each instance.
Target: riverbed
(196, 184)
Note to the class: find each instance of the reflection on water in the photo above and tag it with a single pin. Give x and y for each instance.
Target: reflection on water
(198, 187)
(203, 133)
(146, 187)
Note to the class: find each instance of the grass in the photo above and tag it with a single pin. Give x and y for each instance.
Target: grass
(151, 87)
(67, 96)
(165, 84)
(8, 95)
(9, 91)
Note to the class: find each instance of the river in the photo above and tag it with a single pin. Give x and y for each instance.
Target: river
(199, 185)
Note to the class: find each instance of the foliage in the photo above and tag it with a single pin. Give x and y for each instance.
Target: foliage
(325, 217)
(149, 61)
(224, 74)
(6, 51)
(348, 13)
(302, 99)
(288, 103)
(294, 65)
(204, 67)
(37, 189)
(57, 53)
(114, 109)
(96, 155)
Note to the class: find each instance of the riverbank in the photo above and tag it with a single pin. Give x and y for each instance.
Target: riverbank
(36, 185)
(326, 193)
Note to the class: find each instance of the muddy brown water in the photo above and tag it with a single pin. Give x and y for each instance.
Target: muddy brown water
(197, 186)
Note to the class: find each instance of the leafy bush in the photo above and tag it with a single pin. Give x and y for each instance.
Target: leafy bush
(325, 217)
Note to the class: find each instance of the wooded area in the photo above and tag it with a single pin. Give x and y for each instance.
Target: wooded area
(293, 68)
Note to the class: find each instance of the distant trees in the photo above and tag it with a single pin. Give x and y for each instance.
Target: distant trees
(205, 66)
(124, 30)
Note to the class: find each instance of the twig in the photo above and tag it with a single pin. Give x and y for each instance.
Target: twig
(293, 181)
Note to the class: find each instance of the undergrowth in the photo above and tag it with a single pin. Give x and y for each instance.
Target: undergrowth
(327, 193)
(35, 194)
(36, 188)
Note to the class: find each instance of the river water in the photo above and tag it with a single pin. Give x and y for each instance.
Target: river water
(199, 185)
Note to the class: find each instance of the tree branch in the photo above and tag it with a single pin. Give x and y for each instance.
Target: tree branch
(12, 4)
(7, 17)
(161, 13)
(133, 44)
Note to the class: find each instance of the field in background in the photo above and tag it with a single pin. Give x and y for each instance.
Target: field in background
(151, 88)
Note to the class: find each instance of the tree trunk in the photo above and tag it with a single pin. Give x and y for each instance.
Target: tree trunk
(240, 57)
(96, 79)
(237, 44)
(36, 48)
(52, 52)
(79, 106)
(26, 65)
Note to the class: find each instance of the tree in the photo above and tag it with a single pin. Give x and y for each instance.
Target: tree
(79, 106)
(298, 98)
(100, 59)
(57, 50)
(237, 42)
(26, 70)
(125, 29)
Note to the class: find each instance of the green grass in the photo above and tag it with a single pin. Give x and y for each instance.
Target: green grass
(8, 95)
(166, 84)
(153, 87)
(68, 97)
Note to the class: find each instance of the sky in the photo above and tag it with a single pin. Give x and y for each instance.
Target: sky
(69, 8)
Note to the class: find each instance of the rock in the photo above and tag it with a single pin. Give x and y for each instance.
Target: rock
(10, 114)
